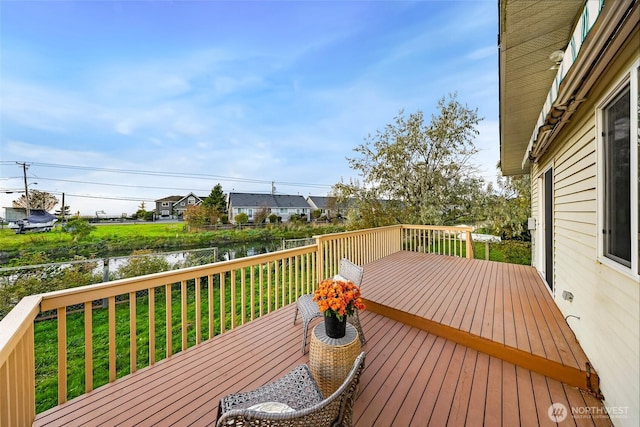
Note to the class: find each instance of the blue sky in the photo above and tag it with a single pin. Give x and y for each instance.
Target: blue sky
(195, 93)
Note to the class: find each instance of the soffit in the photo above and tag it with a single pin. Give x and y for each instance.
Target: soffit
(529, 31)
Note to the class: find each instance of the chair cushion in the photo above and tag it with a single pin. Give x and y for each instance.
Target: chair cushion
(272, 407)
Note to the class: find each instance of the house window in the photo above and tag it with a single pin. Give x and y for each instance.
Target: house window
(620, 172)
(165, 204)
(617, 173)
(284, 210)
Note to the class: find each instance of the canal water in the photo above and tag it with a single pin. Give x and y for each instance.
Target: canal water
(107, 266)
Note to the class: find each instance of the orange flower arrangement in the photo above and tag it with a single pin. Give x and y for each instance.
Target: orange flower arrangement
(338, 297)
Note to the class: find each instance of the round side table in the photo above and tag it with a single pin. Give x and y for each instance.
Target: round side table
(331, 359)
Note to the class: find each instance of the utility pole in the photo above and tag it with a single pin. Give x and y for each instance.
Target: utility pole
(26, 187)
(63, 210)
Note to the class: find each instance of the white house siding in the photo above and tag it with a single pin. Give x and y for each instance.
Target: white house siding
(606, 300)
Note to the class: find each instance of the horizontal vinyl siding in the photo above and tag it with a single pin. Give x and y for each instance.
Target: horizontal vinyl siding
(606, 301)
(578, 233)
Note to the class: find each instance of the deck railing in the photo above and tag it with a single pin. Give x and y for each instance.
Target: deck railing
(210, 299)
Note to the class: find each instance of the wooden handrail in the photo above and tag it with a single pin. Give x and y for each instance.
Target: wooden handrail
(72, 296)
(443, 240)
(258, 284)
(17, 364)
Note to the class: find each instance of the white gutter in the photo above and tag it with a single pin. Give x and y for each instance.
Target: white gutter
(588, 18)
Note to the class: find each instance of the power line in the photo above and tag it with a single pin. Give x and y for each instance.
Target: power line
(124, 199)
(120, 185)
(85, 196)
(175, 175)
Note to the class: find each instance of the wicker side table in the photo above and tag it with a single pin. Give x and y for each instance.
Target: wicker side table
(331, 359)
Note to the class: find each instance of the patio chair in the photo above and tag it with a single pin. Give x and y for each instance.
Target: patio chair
(297, 399)
(308, 308)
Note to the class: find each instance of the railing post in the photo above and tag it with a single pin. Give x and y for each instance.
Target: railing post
(17, 364)
(319, 260)
(105, 278)
(469, 245)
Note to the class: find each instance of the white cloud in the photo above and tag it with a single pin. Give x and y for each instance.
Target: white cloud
(483, 52)
(257, 104)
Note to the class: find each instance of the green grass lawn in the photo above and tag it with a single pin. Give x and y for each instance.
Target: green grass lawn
(511, 251)
(46, 350)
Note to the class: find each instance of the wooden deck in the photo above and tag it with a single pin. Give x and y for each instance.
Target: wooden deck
(413, 377)
(504, 310)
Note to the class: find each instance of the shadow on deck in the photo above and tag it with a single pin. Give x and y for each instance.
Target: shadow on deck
(450, 341)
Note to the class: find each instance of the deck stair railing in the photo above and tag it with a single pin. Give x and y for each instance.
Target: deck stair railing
(168, 312)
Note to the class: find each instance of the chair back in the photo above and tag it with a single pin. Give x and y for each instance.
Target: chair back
(335, 410)
(351, 271)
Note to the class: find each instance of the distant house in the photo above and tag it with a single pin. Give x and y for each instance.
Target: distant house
(328, 205)
(14, 214)
(164, 206)
(569, 100)
(281, 205)
(174, 206)
(322, 203)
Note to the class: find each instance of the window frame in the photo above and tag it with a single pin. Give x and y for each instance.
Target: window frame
(631, 82)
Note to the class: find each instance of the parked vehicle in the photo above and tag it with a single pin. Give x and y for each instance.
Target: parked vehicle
(38, 221)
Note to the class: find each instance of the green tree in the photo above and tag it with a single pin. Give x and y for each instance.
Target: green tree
(201, 216)
(414, 171)
(140, 214)
(143, 262)
(195, 216)
(79, 229)
(510, 207)
(242, 218)
(217, 199)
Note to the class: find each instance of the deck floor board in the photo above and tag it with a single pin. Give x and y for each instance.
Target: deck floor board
(412, 377)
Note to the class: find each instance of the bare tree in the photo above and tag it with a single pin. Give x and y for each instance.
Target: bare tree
(37, 200)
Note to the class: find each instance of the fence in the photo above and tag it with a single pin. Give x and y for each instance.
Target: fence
(171, 311)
